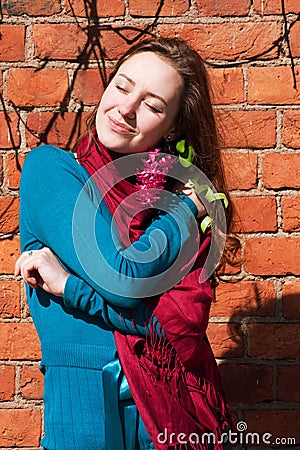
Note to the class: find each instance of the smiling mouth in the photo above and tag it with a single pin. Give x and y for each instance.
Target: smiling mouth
(120, 127)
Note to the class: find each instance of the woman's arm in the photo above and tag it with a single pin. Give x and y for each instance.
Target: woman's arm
(53, 186)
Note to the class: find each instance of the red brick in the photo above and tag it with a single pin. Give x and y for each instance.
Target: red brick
(291, 129)
(229, 41)
(291, 300)
(249, 129)
(240, 170)
(32, 7)
(274, 6)
(9, 253)
(115, 45)
(1, 170)
(273, 256)
(226, 8)
(274, 341)
(9, 130)
(255, 214)
(294, 37)
(281, 170)
(46, 87)
(88, 87)
(32, 383)
(9, 299)
(20, 427)
(227, 85)
(19, 342)
(247, 384)
(291, 213)
(265, 85)
(54, 128)
(9, 217)
(288, 383)
(14, 165)
(244, 298)
(12, 43)
(226, 340)
(152, 7)
(97, 8)
(7, 383)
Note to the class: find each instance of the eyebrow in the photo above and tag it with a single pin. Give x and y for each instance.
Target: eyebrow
(151, 94)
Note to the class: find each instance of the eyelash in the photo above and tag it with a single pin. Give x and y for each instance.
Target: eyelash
(151, 107)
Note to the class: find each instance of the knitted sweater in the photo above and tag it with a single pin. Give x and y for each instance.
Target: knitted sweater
(76, 332)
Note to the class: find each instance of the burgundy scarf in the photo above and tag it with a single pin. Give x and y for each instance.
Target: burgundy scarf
(175, 382)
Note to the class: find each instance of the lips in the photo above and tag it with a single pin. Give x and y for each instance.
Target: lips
(119, 127)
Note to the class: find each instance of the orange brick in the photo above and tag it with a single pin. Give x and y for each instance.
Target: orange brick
(273, 256)
(227, 85)
(240, 170)
(247, 384)
(294, 37)
(32, 7)
(9, 253)
(255, 214)
(281, 170)
(1, 170)
(114, 45)
(19, 342)
(244, 298)
(291, 129)
(14, 163)
(288, 383)
(9, 299)
(279, 423)
(9, 217)
(88, 87)
(249, 129)
(265, 85)
(226, 340)
(274, 6)
(12, 43)
(32, 383)
(153, 7)
(291, 213)
(274, 341)
(7, 383)
(291, 300)
(9, 130)
(46, 87)
(229, 41)
(97, 8)
(20, 427)
(226, 8)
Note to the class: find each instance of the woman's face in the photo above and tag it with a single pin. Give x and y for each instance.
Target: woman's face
(139, 106)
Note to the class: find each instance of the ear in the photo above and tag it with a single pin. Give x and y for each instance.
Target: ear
(173, 134)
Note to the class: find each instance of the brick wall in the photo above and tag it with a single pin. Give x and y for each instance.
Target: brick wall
(53, 58)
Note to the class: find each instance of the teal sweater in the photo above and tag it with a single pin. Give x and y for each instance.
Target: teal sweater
(76, 331)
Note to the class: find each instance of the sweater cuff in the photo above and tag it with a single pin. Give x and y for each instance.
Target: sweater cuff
(70, 289)
(188, 202)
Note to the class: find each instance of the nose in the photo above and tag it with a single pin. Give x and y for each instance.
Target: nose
(128, 107)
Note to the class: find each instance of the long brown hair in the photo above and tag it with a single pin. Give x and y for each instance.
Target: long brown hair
(196, 119)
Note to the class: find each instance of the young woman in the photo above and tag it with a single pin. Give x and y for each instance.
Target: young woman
(158, 94)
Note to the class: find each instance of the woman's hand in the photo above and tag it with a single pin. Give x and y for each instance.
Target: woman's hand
(42, 268)
(188, 190)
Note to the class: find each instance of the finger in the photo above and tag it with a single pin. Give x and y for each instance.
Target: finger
(19, 262)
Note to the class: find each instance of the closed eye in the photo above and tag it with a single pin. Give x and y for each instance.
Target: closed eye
(121, 88)
(154, 108)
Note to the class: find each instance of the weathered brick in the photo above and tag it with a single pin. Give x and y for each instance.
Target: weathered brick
(281, 170)
(265, 85)
(226, 340)
(46, 87)
(291, 300)
(20, 427)
(240, 170)
(274, 6)
(288, 383)
(32, 383)
(274, 341)
(19, 341)
(114, 44)
(227, 85)
(255, 214)
(249, 129)
(246, 383)
(14, 163)
(7, 383)
(32, 7)
(12, 43)
(88, 87)
(9, 130)
(291, 213)
(97, 8)
(279, 423)
(153, 7)
(226, 8)
(294, 37)
(9, 299)
(291, 129)
(273, 256)
(9, 253)
(9, 217)
(244, 298)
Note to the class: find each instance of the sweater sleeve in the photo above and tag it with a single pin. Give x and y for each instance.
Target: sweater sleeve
(60, 207)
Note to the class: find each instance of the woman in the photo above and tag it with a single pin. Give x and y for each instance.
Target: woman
(158, 93)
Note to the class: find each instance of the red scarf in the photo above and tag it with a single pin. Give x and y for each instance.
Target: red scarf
(175, 382)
